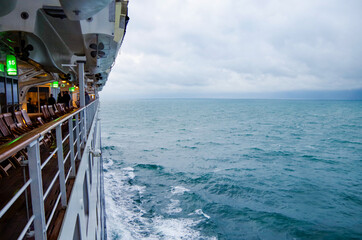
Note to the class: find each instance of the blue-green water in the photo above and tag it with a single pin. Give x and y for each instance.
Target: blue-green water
(233, 169)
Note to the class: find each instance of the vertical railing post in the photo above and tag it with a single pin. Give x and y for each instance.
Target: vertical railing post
(71, 146)
(82, 126)
(63, 190)
(36, 187)
(77, 134)
(82, 86)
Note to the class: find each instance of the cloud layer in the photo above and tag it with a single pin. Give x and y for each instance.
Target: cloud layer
(222, 48)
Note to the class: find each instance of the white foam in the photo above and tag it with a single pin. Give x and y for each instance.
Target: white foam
(173, 207)
(140, 189)
(176, 228)
(128, 169)
(126, 219)
(129, 172)
(179, 190)
(200, 212)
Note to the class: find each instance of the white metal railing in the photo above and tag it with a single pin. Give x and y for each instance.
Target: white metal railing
(79, 122)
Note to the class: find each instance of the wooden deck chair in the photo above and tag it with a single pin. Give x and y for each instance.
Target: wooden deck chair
(40, 121)
(15, 128)
(6, 136)
(21, 122)
(61, 108)
(8, 118)
(52, 112)
(45, 113)
(50, 135)
(27, 119)
(6, 133)
(56, 111)
(5, 166)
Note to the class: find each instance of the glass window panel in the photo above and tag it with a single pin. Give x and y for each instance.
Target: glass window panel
(15, 91)
(9, 92)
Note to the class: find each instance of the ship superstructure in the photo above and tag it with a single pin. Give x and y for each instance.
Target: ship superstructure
(51, 184)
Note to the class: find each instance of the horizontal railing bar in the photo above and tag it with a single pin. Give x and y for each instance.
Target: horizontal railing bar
(75, 155)
(48, 159)
(68, 174)
(75, 127)
(75, 141)
(13, 199)
(53, 211)
(66, 157)
(10, 148)
(50, 186)
(66, 137)
(22, 234)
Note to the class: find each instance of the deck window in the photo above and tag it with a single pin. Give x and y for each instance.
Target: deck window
(76, 233)
(85, 196)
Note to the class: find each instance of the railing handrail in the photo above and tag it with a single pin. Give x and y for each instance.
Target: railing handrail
(12, 147)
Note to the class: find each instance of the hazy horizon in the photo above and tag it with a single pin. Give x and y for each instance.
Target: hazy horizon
(355, 95)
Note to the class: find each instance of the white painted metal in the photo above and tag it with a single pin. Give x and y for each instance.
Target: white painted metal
(77, 136)
(71, 146)
(63, 190)
(36, 187)
(81, 83)
(88, 225)
(82, 98)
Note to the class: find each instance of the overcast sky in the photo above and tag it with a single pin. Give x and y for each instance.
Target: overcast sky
(231, 48)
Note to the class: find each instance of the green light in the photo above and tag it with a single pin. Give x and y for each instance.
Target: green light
(2, 67)
(55, 84)
(11, 68)
(71, 89)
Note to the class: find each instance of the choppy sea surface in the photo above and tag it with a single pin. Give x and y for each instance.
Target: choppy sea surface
(232, 169)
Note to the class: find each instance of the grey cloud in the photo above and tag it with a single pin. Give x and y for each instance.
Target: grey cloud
(230, 47)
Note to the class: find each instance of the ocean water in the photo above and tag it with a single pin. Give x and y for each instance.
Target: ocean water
(232, 169)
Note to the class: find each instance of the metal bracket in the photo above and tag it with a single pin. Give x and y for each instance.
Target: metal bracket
(95, 152)
(24, 162)
(30, 234)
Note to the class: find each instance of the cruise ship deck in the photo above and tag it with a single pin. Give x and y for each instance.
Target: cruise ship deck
(55, 56)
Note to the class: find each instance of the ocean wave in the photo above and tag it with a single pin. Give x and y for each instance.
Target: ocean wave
(177, 229)
(150, 166)
(200, 212)
(231, 190)
(179, 190)
(173, 207)
(316, 159)
(127, 219)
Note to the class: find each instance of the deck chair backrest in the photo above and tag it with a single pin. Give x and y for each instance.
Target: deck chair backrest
(61, 108)
(57, 107)
(45, 114)
(51, 111)
(47, 111)
(40, 120)
(26, 118)
(66, 109)
(8, 118)
(3, 128)
(56, 110)
(19, 119)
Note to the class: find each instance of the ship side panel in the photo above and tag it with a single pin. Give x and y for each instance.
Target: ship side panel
(84, 202)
